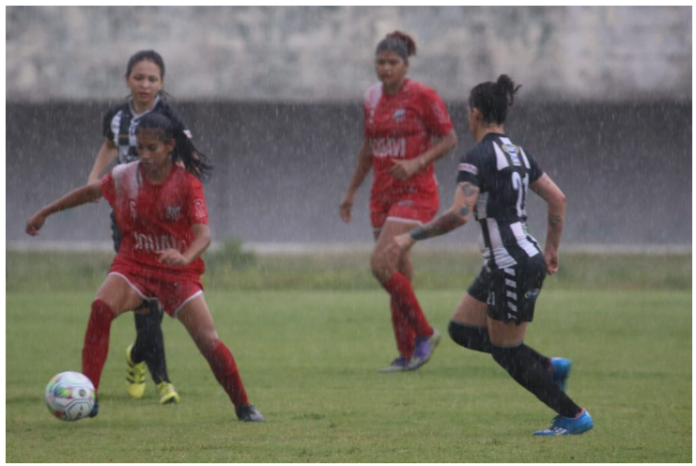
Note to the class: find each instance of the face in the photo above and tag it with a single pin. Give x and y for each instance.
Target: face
(390, 68)
(152, 151)
(145, 81)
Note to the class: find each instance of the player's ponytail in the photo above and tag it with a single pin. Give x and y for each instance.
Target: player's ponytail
(493, 98)
(184, 151)
(398, 42)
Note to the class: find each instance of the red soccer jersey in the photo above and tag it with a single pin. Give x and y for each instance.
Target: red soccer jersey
(154, 217)
(402, 126)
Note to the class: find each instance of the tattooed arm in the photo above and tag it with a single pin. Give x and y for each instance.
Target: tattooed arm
(458, 214)
(556, 202)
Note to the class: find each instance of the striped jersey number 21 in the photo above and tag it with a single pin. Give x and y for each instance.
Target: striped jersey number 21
(520, 185)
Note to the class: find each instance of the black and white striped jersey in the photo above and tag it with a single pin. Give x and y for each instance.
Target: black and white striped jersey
(502, 171)
(121, 121)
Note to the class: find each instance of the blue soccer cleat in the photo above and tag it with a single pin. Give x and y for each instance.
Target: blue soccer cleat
(425, 347)
(95, 408)
(568, 425)
(399, 364)
(560, 371)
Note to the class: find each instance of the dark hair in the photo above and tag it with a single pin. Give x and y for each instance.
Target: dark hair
(152, 56)
(399, 43)
(195, 161)
(494, 98)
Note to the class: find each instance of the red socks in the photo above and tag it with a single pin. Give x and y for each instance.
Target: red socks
(404, 300)
(225, 369)
(404, 334)
(96, 346)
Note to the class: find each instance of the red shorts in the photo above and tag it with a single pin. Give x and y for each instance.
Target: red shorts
(411, 208)
(172, 294)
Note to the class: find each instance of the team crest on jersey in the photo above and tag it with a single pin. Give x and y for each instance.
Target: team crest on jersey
(173, 212)
(399, 114)
(514, 153)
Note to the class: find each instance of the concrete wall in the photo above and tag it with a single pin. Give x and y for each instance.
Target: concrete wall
(325, 53)
(282, 169)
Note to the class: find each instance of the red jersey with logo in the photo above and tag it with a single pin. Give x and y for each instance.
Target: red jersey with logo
(402, 126)
(154, 217)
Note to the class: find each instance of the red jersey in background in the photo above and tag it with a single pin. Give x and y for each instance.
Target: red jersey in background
(402, 126)
(155, 217)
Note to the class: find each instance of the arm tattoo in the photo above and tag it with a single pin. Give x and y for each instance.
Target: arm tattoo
(468, 189)
(444, 224)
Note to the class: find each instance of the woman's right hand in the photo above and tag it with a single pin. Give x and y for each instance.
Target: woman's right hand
(551, 258)
(35, 223)
(346, 209)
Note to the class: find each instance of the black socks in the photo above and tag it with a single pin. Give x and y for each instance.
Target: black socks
(149, 343)
(522, 363)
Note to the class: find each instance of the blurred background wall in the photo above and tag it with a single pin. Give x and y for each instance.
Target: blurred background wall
(273, 95)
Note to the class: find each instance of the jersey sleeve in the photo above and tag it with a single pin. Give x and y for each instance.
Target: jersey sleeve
(108, 188)
(434, 113)
(107, 131)
(198, 211)
(535, 170)
(470, 168)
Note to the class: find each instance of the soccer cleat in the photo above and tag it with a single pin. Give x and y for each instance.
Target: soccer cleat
(249, 413)
(95, 408)
(425, 346)
(560, 371)
(399, 364)
(167, 393)
(568, 425)
(135, 376)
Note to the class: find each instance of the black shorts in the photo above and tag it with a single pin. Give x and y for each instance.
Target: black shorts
(511, 293)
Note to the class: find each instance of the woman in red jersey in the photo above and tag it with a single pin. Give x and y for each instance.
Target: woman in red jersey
(402, 119)
(161, 211)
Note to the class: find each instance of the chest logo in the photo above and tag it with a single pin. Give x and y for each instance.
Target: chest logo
(399, 114)
(513, 152)
(173, 213)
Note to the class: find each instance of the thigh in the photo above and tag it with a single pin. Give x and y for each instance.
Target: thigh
(119, 294)
(471, 311)
(196, 318)
(514, 291)
(506, 333)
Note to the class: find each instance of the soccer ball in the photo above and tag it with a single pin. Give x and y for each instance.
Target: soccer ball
(70, 396)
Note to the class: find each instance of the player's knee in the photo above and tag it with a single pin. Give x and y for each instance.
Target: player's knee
(473, 338)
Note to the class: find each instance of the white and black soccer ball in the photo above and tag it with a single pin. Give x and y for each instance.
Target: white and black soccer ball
(70, 396)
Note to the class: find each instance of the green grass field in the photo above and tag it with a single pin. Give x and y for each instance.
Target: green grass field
(309, 334)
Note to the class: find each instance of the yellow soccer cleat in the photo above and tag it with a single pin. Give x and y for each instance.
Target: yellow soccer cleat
(167, 393)
(135, 376)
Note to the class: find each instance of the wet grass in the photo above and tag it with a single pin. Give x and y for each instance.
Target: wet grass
(309, 357)
(84, 271)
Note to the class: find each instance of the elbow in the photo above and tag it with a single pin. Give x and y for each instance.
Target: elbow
(452, 140)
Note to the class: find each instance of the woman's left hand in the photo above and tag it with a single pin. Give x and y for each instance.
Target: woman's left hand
(172, 257)
(405, 169)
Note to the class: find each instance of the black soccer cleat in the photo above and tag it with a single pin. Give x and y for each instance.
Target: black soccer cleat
(249, 413)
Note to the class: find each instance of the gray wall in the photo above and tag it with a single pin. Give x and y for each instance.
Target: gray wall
(282, 168)
(320, 53)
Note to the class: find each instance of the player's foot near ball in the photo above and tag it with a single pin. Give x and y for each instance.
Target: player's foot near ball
(95, 408)
(399, 364)
(425, 346)
(568, 425)
(560, 371)
(249, 413)
(167, 393)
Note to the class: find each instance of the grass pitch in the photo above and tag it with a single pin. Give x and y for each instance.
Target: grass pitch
(309, 359)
